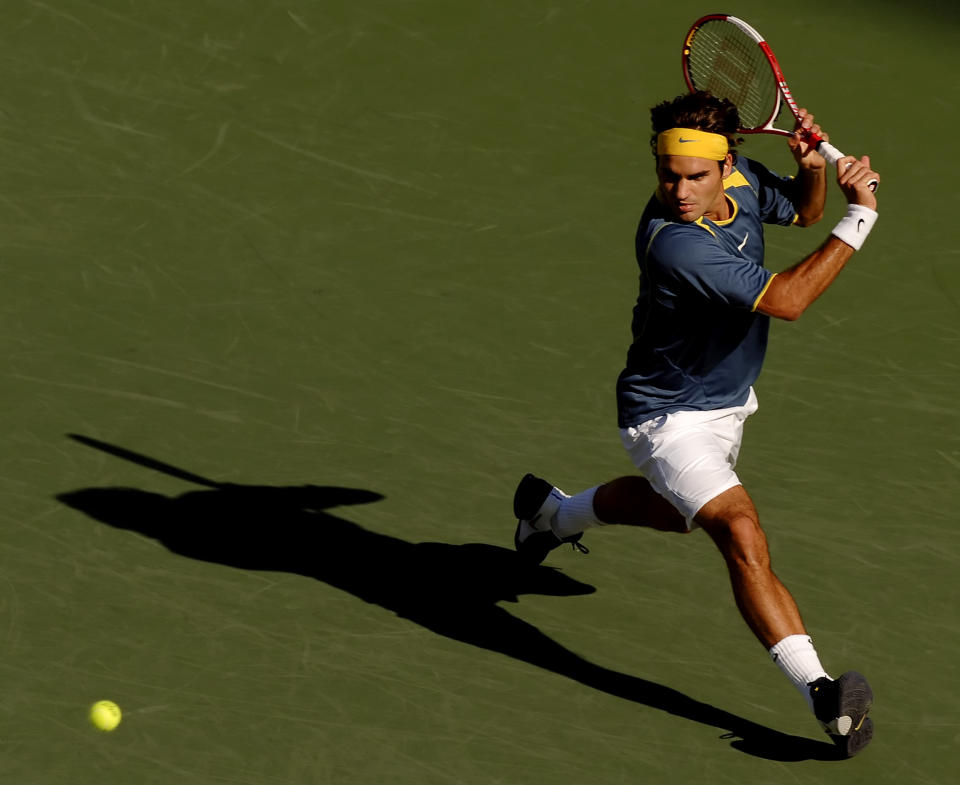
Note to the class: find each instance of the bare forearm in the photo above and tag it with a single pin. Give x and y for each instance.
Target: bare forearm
(812, 195)
(791, 292)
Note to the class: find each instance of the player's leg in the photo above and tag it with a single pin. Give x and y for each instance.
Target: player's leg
(547, 517)
(668, 451)
(632, 501)
(770, 611)
(628, 501)
(768, 608)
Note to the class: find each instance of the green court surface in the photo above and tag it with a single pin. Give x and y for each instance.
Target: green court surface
(294, 293)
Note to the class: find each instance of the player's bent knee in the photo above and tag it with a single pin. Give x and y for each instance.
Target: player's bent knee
(632, 501)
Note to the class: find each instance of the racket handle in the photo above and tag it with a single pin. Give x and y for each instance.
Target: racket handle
(832, 154)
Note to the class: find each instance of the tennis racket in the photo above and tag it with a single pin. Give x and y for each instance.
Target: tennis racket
(727, 57)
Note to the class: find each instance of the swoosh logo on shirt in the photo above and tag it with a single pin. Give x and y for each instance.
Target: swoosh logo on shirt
(745, 238)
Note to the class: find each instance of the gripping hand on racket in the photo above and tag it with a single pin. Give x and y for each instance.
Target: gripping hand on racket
(857, 180)
(804, 151)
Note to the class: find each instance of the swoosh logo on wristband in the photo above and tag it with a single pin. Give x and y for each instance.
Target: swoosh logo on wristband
(859, 224)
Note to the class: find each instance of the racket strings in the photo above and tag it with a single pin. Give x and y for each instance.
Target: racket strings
(728, 63)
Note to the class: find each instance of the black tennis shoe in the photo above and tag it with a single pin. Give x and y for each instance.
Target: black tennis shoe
(535, 502)
(841, 706)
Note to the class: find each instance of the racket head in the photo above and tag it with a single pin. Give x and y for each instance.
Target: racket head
(730, 59)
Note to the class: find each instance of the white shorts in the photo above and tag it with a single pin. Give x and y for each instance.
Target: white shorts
(689, 457)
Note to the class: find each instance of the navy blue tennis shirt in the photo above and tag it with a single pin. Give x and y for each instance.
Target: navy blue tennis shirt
(698, 341)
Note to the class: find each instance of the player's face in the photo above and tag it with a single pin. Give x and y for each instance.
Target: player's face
(693, 187)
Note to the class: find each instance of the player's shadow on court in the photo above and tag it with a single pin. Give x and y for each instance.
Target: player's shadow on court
(452, 590)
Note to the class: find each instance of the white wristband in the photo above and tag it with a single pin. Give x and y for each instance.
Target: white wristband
(855, 225)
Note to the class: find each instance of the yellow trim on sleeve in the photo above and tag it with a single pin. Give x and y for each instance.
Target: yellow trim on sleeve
(760, 296)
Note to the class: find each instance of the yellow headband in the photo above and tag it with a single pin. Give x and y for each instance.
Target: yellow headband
(697, 144)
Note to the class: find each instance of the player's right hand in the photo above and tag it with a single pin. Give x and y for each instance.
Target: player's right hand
(803, 151)
(854, 177)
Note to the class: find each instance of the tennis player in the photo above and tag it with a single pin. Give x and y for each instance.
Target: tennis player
(699, 337)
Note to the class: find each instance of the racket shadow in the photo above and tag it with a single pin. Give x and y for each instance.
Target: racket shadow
(452, 590)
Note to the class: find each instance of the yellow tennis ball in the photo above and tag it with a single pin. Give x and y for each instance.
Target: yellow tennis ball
(105, 715)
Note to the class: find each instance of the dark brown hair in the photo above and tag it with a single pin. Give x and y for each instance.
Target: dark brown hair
(699, 110)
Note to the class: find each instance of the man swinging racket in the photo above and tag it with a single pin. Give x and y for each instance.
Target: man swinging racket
(699, 337)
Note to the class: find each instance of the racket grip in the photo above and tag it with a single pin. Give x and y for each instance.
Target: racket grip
(832, 154)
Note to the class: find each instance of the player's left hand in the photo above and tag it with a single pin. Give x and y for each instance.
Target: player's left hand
(806, 153)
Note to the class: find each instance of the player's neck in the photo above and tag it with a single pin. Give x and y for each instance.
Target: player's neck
(721, 211)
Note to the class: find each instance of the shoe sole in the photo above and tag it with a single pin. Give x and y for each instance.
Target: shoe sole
(526, 500)
(857, 740)
(855, 700)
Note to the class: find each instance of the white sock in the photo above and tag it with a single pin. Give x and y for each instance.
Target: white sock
(799, 662)
(575, 514)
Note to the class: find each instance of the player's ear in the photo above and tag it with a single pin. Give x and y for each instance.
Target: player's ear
(728, 166)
